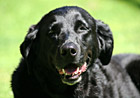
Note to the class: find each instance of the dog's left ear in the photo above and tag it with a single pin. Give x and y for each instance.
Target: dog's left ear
(27, 43)
(105, 40)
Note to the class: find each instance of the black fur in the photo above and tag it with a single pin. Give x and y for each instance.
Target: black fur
(70, 36)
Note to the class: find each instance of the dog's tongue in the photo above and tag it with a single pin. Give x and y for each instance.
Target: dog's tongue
(71, 69)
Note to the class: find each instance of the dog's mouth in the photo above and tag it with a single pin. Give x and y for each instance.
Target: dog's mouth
(71, 74)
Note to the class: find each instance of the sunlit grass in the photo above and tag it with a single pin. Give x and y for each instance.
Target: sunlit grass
(16, 16)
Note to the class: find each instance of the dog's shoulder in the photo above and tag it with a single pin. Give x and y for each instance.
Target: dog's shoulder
(123, 71)
(23, 84)
(131, 64)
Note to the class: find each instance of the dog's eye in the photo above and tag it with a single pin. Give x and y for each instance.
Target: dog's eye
(82, 27)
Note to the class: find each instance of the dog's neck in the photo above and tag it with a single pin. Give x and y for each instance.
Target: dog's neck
(94, 77)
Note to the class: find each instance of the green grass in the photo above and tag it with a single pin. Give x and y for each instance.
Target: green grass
(16, 16)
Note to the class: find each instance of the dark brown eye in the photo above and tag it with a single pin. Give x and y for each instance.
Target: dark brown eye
(82, 27)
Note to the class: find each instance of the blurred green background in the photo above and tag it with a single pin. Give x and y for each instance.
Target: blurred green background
(16, 16)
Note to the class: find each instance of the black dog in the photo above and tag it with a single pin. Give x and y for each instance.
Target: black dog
(64, 57)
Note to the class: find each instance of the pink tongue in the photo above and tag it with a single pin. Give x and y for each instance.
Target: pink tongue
(72, 70)
(83, 68)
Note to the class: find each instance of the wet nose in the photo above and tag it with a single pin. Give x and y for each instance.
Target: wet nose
(68, 50)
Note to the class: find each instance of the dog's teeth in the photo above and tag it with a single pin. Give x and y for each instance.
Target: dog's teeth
(75, 73)
(77, 69)
(66, 74)
(63, 71)
(85, 64)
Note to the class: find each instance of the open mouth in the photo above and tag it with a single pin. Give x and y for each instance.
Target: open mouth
(71, 74)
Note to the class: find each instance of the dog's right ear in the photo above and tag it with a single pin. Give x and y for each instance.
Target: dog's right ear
(105, 40)
(27, 43)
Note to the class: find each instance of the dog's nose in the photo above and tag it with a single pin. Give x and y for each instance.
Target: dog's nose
(68, 49)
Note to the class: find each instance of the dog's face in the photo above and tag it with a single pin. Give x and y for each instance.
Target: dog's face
(66, 42)
(70, 42)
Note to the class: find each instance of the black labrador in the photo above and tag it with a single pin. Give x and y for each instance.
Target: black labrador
(64, 56)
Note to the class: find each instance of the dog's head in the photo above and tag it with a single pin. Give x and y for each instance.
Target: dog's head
(66, 42)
